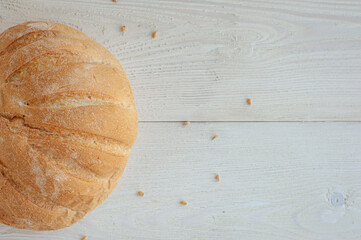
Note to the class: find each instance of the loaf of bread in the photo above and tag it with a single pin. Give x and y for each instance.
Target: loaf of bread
(67, 125)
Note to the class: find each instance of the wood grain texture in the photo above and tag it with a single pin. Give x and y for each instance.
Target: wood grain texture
(278, 181)
(297, 60)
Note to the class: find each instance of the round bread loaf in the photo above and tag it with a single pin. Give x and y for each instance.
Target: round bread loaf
(67, 125)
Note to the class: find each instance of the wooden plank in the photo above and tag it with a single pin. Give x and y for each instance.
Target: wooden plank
(278, 181)
(297, 60)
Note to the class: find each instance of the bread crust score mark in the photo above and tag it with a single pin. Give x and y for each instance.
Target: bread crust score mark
(50, 76)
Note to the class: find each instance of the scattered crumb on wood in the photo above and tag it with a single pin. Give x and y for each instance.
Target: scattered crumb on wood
(140, 193)
(214, 137)
(218, 178)
(85, 237)
(123, 29)
(154, 35)
(183, 202)
(249, 101)
(186, 123)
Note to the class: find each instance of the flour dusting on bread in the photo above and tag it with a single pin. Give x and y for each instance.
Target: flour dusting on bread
(67, 125)
(38, 25)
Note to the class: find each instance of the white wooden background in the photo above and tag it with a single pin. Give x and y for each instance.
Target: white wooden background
(290, 164)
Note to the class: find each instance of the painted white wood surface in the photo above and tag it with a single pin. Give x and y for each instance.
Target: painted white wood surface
(277, 182)
(297, 60)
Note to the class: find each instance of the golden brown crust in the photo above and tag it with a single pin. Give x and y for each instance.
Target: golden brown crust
(67, 124)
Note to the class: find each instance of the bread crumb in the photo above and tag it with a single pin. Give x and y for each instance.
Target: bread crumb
(154, 34)
(140, 193)
(183, 202)
(123, 29)
(214, 137)
(115, 0)
(218, 178)
(186, 123)
(85, 237)
(249, 101)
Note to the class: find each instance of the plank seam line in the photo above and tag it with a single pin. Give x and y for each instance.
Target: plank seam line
(220, 121)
